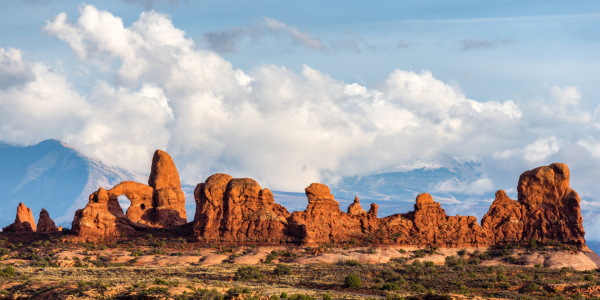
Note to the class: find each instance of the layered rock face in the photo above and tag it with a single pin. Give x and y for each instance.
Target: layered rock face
(161, 203)
(45, 224)
(24, 221)
(547, 209)
(237, 210)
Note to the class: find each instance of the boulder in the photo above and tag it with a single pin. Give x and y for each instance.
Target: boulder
(24, 221)
(169, 199)
(355, 208)
(45, 224)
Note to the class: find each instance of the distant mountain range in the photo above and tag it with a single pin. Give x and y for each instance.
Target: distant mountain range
(54, 176)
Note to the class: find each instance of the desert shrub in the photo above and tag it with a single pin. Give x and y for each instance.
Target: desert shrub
(300, 297)
(248, 273)
(565, 270)
(532, 287)
(389, 287)
(462, 289)
(429, 264)
(155, 291)
(504, 285)
(489, 285)
(502, 277)
(419, 253)
(160, 281)
(538, 276)
(353, 262)
(532, 243)
(400, 260)
(417, 263)
(452, 261)
(461, 252)
(283, 295)
(326, 297)
(4, 251)
(588, 277)
(352, 281)
(274, 297)
(523, 277)
(418, 288)
(402, 251)
(472, 275)
(282, 269)
(537, 266)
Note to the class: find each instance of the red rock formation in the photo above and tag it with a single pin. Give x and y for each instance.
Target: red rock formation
(102, 217)
(169, 199)
(45, 224)
(504, 221)
(159, 204)
(237, 211)
(432, 226)
(355, 208)
(141, 209)
(323, 221)
(24, 221)
(548, 209)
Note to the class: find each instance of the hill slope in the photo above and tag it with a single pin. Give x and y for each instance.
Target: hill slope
(54, 176)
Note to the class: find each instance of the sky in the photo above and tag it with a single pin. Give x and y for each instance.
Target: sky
(294, 92)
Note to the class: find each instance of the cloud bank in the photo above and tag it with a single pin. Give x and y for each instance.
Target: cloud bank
(158, 90)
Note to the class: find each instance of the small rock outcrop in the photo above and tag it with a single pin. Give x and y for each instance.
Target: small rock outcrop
(24, 221)
(161, 203)
(355, 208)
(45, 224)
(547, 209)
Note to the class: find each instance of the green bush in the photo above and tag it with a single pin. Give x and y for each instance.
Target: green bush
(532, 243)
(248, 273)
(418, 288)
(504, 285)
(588, 277)
(300, 297)
(532, 287)
(283, 295)
(326, 297)
(274, 297)
(352, 281)
(461, 252)
(429, 264)
(489, 285)
(282, 269)
(389, 287)
(353, 262)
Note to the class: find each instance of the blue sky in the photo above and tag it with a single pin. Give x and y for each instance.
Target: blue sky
(292, 92)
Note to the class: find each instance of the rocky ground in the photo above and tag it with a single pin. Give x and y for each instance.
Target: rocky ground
(57, 267)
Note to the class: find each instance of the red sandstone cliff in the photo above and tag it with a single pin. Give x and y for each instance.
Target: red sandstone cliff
(547, 209)
(238, 211)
